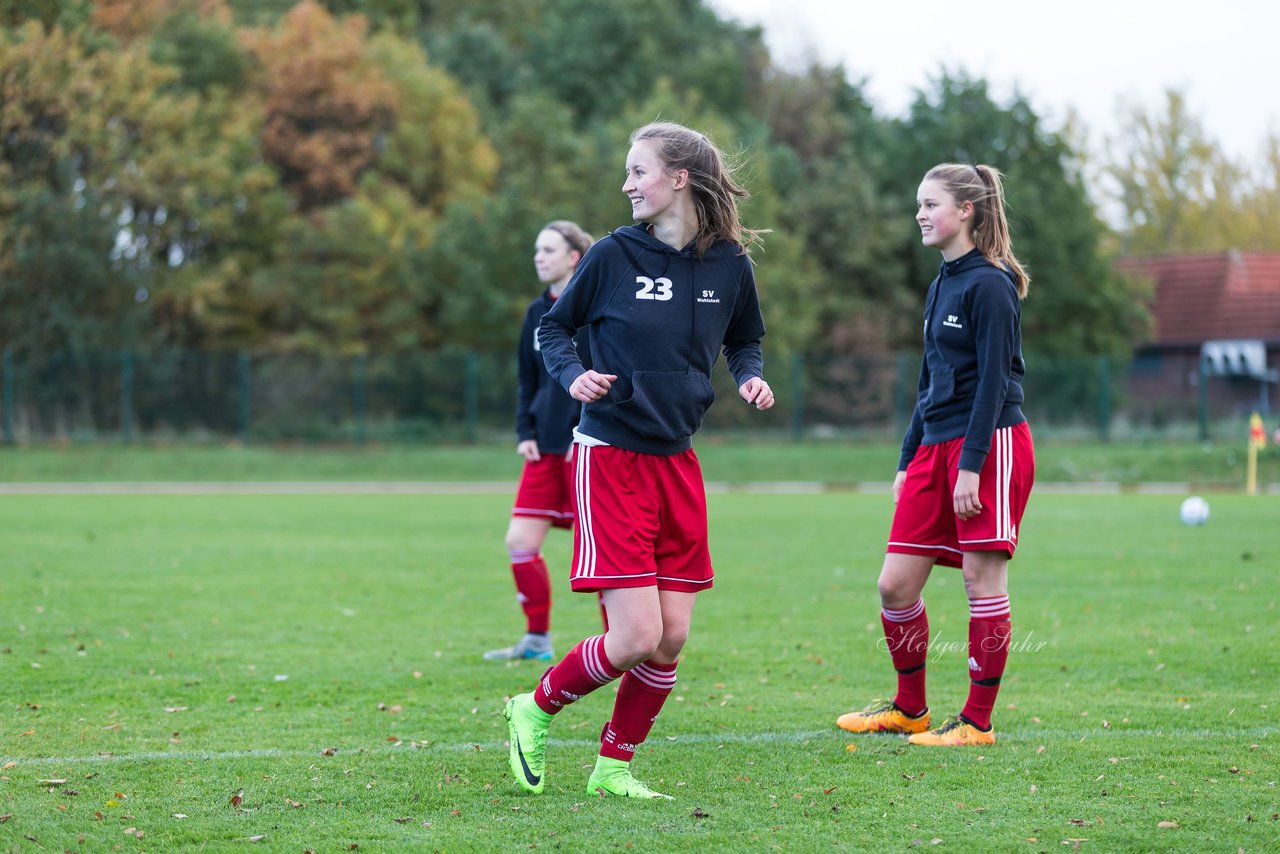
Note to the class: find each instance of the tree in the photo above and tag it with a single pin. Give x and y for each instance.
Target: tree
(104, 133)
(1077, 304)
(327, 106)
(378, 147)
(1166, 175)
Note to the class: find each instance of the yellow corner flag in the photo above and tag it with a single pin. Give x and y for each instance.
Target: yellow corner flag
(1257, 441)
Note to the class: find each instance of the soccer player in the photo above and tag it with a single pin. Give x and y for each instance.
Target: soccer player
(661, 299)
(967, 463)
(545, 418)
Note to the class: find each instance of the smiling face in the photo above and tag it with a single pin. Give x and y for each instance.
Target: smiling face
(554, 258)
(944, 223)
(649, 186)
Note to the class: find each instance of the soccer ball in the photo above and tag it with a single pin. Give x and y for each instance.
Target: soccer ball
(1194, 511)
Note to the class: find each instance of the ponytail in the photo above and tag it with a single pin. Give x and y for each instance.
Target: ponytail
(983, 186)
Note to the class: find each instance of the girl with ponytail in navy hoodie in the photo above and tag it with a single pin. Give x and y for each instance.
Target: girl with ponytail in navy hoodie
(967, 463)
(662, 299)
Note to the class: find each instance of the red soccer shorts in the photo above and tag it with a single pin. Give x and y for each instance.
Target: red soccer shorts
(546, 490)
(642, 521)
(925, 522)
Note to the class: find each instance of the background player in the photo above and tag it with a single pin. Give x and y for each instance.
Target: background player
(545, 418)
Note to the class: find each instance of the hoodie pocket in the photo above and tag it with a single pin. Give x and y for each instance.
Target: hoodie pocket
(942, 384)
(666, 405)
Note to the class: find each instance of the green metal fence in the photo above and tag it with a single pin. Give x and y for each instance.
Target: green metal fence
(467, 396)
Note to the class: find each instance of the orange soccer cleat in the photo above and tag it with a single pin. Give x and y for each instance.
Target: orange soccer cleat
(954, 732)
(883, 716)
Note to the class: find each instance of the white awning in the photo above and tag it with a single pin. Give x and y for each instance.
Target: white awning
(1235, 358)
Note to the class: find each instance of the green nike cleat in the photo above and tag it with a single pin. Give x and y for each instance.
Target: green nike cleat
(613, 777)
(527, 728)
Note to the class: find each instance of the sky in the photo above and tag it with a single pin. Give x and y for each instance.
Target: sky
(1088, 55)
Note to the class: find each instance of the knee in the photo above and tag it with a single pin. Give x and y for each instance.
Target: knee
(673, 641)
(521, 540)
(894, 593)
(634, 647)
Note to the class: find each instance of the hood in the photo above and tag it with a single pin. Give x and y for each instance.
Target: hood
(640, 237)
(971, 260)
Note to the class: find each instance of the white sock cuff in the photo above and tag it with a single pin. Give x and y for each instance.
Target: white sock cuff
(905, 615)
(989, 608)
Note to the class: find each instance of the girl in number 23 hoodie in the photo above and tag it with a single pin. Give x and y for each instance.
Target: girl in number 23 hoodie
(658, 319)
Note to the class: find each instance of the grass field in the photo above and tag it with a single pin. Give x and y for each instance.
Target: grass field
(1214, 465)
(317, 657)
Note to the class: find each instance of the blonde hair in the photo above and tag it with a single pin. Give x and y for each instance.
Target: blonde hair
(577, 238)
(983, 186)
(714, 190)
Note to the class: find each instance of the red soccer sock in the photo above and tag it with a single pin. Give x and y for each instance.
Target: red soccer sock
(989, 631)
(579, 673)
(906, 633)
(533, 589)
(641, 694)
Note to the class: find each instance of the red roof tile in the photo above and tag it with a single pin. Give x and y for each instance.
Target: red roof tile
(1203, 297)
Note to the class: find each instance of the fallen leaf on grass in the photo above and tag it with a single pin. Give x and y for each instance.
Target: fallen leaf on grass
(329, 751)
(699, 812)
(172, 709)
(1079, 822)
(1168, 824)
(5, 817)
(179, 815)
(53, 781)
(297, 805)
(404, 819)
(9, 765)
(237, 799)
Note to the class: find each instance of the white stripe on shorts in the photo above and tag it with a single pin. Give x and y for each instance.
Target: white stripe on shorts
(586, 564)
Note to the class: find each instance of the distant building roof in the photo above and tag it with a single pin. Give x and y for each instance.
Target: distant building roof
(1204, 297)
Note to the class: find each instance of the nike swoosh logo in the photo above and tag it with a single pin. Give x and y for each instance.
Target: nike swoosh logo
(528, 774)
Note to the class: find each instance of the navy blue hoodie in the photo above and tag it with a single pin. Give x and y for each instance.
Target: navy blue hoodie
(659, 325)
(971, 376)
(544, 411)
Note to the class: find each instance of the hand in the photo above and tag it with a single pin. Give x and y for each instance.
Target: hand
(591, 386)
(529, 450)
(898, 481)
(965, 498)
(757, 391)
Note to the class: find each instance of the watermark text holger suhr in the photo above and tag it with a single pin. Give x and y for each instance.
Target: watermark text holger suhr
(939, 647)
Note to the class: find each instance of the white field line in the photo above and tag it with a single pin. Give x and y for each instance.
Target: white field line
(1028, 735)
(390, 487)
